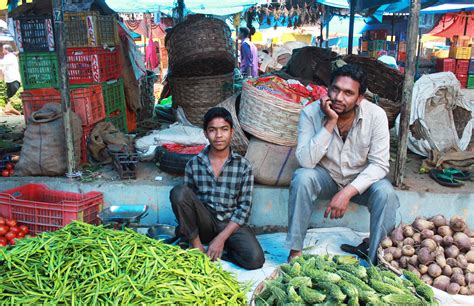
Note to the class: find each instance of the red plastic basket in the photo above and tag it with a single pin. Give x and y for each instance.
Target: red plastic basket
(35, 99)
(462, 79)
(446, 64)
(462, 66)
(43, 209)
(88, 103)
(92, 65)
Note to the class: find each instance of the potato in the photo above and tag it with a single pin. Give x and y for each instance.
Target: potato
(470, 268)
(462, 261)
(453, 288)
(441, 261)
(464, 291)
(425, 256)
(394, 264)
(397, 253)
(469, 278)
(447, 241)
(457, 270)
(397, 234)
(457, 224)
(462, 241)
(420, 224)
(451, 252)
(439, 220)
(427, 234)
(434, 270)
(403, 261)
(417, 238)
(470, 256)
(438, 239)
(430, 244)
(386, 243)
(447, 270)
(408, 241)
(441, 282)
(444, 231)
(388, 257)
(423, 269)
(427, 279)
(413, 260)
(408, 250)
(408, 231)
(459, 279)
(452, 262)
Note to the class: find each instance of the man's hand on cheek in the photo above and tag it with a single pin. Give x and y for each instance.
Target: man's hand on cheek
(337, 207)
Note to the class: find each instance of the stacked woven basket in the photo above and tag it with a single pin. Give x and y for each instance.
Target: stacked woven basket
(202, 62)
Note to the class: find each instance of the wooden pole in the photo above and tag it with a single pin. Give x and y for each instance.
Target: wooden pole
(351, 26)
(327, 34)
(60, 40)
(409, 80)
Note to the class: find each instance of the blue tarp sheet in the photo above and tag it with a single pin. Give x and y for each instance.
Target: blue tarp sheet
(214, 7)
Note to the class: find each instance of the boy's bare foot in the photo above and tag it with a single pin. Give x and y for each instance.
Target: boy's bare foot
(293, 254)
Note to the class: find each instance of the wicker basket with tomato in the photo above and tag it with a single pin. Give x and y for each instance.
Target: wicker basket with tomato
(11, 230)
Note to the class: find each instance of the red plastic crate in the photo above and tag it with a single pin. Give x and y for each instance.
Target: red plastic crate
(446, 64)
(462, 66)
(35, 99)
(131, 120)
(88, 103)
(462, 79)
(43, 209)
(92, 65)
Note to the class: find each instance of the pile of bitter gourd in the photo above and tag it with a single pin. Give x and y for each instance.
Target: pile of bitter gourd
(84, 264)
(340, 280)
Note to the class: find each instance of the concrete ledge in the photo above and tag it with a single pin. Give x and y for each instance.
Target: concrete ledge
(270, 204)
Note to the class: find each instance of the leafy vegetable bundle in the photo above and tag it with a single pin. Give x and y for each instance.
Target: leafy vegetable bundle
(338, 280)
(86, 264)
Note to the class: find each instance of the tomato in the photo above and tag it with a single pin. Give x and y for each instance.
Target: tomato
(3, 241)
(4, 229)
(9, 166)
(11, 222)
(5, 173)
(24, 229)
(10, 235)
(12, 241)
(2, 221)
(15, 229)
(11, 171)
(20, 235)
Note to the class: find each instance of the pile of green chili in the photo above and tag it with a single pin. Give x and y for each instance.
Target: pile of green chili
(86, 264)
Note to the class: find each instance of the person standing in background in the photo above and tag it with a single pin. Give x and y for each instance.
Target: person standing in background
(248, 55)
(11, 74)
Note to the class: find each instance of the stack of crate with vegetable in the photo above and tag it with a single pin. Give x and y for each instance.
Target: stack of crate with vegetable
(93, 64)
(460, 51)
(339, 280)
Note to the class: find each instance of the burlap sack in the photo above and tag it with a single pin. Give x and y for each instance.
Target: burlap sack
(44, 144)
(106, 135)
(272, 164)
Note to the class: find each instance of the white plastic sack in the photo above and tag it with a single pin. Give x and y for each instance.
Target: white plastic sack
(434, 98)
(176, 133)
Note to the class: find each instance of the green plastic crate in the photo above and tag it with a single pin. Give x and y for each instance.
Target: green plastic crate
(114, 96)
(39, 70)
(470, 81)
(119, 121)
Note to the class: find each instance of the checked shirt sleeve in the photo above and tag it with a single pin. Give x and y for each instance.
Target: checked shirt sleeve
(188, 175)
(242, 213)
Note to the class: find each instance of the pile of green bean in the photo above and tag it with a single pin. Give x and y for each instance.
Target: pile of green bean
(83, 264)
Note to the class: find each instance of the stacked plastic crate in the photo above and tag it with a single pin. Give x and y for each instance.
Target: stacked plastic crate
(460, 50)
(373, 42)
(470, 78)
(96, 91)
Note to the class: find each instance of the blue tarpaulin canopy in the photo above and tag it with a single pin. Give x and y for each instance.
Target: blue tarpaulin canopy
(212, 7)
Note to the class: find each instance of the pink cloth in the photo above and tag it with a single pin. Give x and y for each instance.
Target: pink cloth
(151, 56)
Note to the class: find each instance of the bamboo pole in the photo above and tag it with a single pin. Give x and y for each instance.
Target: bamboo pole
(409, 80)
(60, 39)
(351, 26)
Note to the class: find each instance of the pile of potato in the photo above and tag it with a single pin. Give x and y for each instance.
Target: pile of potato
(438, 250)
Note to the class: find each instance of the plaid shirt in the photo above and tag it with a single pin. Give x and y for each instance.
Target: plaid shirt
(228, 196)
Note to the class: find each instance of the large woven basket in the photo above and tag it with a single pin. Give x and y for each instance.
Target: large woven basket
(200, 46)
(198, 94)
(391, 108)
(239, 142)
(261, 286)
(269, 118)
(382, 80)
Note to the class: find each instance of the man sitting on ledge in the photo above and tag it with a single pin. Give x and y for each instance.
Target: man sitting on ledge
(344, 150)
(213, 205)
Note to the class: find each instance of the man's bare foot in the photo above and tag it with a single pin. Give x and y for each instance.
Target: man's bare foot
(293, 254)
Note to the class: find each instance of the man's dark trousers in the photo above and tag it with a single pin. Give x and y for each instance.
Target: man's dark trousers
(242, 247)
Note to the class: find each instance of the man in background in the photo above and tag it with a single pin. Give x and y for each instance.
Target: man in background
(248, 55)
(11, 74)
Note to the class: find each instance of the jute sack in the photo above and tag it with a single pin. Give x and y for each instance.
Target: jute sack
(272, 164)
(44, 144)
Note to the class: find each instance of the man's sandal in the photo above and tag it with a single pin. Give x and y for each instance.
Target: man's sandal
(444, 179)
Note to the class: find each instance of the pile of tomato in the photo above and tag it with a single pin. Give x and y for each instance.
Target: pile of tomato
(9, 170)
(11, 230)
